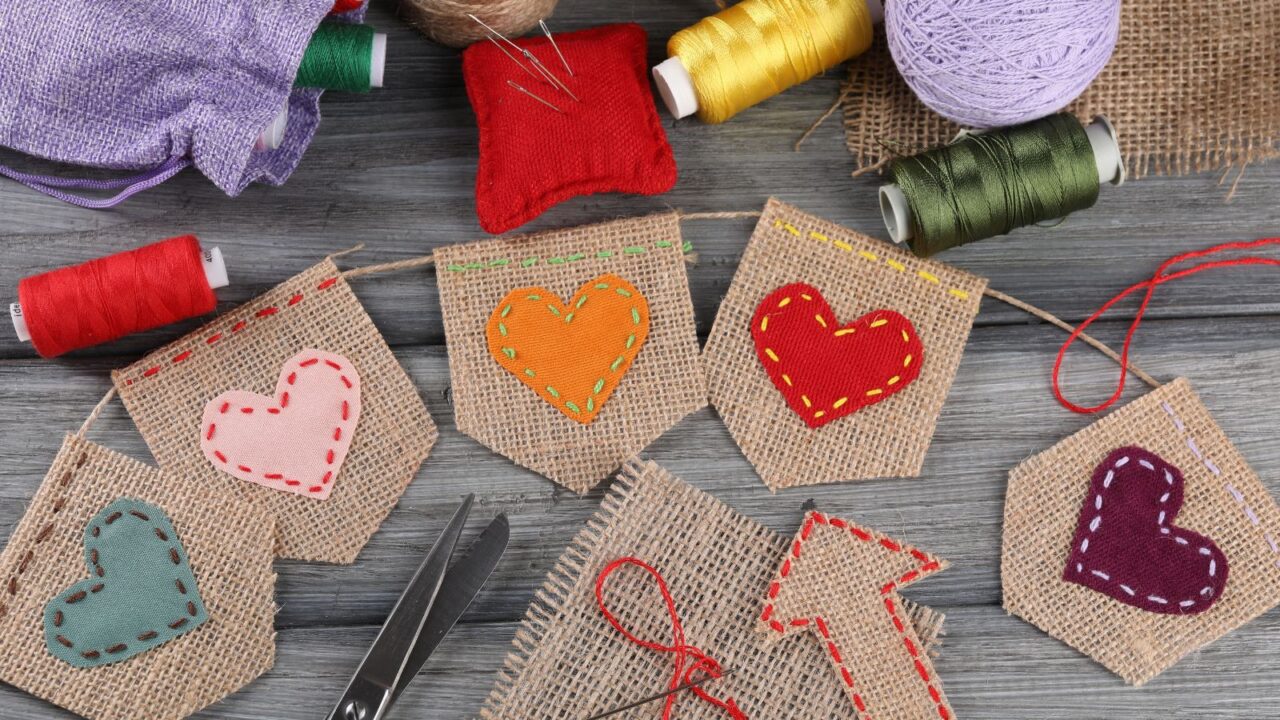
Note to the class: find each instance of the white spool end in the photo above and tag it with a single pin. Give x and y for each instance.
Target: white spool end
(896, 212)
(876, 9)
(378, 62)
(273, 136)
(215, 270)
(1106, 151)
(19, 322)
(676, 87)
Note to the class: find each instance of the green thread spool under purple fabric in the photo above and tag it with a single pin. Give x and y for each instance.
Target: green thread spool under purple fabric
(339, 57)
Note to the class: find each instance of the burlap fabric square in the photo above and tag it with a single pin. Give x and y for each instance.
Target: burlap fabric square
(1223, 500)
(229, 546)
(1191, 87)
(508, 408)
(856, 275)
(568, 662)
(167, 391)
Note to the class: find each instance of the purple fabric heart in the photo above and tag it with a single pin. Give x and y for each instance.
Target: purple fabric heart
(128, 85)
(1127, 547)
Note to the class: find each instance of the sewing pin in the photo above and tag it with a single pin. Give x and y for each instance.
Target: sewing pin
(513, 84)
(547, 31)
(533, 59)
(661, 695)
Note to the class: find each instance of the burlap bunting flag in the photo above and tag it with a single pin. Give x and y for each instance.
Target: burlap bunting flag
(1141, 538)
(223, 645)
(1191, 87)
(294, 402)
(815, 394)
(568, 662)
(572, 350)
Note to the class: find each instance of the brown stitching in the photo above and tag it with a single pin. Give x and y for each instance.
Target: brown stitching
(59, 618)
(80, 461)
(26, 561)
(66, 478)
(58, 505)
(114, 517)
(13, 586)
(241, 325)
(45, 533)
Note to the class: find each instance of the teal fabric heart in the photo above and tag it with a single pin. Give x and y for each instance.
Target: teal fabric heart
(140, 593)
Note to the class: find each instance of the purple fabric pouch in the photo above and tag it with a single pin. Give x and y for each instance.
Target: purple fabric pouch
(156, 86)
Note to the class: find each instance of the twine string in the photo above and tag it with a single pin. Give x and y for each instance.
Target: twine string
(1161, 276)
(755, 49)
(987, 184)
(688, 660)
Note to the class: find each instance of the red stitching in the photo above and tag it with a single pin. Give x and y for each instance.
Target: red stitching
(330, 454)
(928, 566)
(240, 325)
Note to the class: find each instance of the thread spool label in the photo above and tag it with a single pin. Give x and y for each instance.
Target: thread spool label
(215, 269)
(19, 322)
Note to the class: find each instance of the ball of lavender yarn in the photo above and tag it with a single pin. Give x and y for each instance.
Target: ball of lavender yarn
(992, 63)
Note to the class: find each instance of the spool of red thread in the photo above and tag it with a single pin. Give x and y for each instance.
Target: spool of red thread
(342, 6)
(105, 299)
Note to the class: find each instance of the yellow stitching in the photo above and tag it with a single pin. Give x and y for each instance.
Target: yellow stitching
(772, 355)
(784, 301)
(806, 296)
(844, 331)
(872, 393)
(806, 401)
(786, 379)
(821, 322)
(905, 336)
(820, 413)
(906, 361)
(837, 404)
(878, 323)
(764, 323)
(872, 257)
(894, 380)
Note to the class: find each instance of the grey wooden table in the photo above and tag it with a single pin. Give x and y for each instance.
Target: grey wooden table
(395, 169)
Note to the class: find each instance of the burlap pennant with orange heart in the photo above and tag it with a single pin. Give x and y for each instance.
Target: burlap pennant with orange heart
(572, 350)
(666, 541)
(129, 594)
(1141, 538)
(294, 402)
(832, 353)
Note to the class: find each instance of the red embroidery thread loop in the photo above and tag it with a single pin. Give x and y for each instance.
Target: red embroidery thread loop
(683, 653)
(1159, 278)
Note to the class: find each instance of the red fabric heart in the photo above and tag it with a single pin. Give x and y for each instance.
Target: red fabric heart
(1127, 547)
(826, 370)
(533, 157)
(295, 441)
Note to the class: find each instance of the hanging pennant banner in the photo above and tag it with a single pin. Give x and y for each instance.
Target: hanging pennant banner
(832, 353)
(130, 594)
(570, 351)
(1141, 538)
(668, 585)
(295, 402)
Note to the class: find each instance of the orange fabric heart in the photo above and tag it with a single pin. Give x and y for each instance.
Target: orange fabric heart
(572, 354)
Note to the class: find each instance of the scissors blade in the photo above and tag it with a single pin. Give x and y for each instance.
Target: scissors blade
(372, 685)
(461, 585)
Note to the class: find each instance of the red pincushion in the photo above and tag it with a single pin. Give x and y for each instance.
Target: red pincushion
(532, 157)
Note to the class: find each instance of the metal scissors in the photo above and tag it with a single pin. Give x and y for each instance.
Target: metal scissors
(434, 600)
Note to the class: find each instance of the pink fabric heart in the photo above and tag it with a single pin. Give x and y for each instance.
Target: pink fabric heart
(295, 441)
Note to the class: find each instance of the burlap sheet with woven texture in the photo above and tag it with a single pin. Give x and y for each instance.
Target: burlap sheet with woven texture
(1043, 505)
(166, 392)
(856, 275)
(1191, 87)
(567, 662)
(665, 381)
(229, 543)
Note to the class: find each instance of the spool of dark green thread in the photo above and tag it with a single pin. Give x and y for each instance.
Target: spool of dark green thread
(342, 56)
(984, 185)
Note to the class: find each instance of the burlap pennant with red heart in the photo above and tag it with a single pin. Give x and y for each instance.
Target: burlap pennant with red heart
(832, 353)
(1141, 538)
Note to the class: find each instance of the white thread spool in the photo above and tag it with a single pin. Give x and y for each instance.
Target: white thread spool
(675, 85)
(273, 135)
(215, 272)
(896, 211)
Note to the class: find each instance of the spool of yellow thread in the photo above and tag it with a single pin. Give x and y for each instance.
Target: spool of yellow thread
(749, 52)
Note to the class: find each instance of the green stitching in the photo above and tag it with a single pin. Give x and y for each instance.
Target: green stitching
(602, 286)
(635, 316)
(568, 318)
(506, 310)
(553, 392)
(631, 340)
(553, 309)
(509, 352)
(529, 372)
(533, 297)
(583, 300)
(614, 367)
(622, 292)
(530, 262)
(572, 406)
(502, 328)
(599, 386)
(591, 404)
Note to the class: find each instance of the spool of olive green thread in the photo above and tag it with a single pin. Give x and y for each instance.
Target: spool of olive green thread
(342, 56)
(984, 185)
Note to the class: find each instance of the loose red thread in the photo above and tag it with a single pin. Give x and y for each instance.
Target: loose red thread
(215, 337)
(928, 565)
(107, 298)
(1159, 278)
(702, 664)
